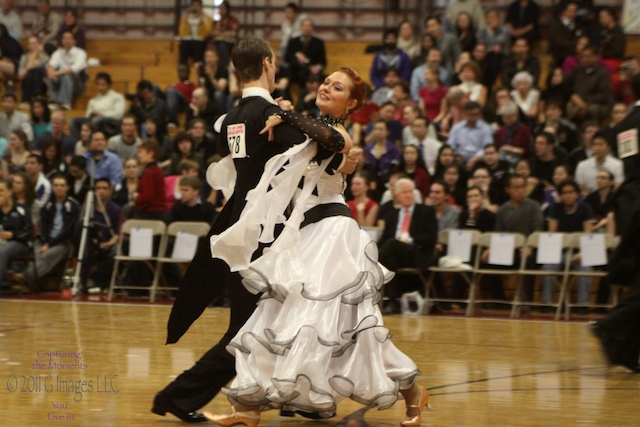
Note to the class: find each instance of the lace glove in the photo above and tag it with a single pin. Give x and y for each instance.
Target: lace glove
(318, 131)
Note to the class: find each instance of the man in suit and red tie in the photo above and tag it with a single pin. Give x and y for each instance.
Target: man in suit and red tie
(408, 240)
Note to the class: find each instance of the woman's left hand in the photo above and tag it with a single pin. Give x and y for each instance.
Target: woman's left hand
(271, 122)
(285, 105)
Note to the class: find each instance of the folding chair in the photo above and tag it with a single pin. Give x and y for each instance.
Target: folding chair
(157, 229)
(199, 229)
(485, 242)
(559, 276)
(609, 245)
(445, 238)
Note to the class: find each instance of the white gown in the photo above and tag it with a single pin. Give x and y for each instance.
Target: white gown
(317, 335)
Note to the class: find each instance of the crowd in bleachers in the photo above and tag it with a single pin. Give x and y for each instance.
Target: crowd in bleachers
(457, 104)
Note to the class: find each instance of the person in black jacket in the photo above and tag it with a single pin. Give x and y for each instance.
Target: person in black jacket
(408, 240)
(190, 207)
(16, 231)
(59, 218)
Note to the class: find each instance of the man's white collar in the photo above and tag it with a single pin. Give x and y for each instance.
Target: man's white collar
(258, 91)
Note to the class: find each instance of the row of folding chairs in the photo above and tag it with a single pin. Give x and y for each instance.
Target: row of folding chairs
(138, 242)
(505, 248)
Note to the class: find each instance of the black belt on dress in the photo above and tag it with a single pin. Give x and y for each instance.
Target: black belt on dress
(326, 210)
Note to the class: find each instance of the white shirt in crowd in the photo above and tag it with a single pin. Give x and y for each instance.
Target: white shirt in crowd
(587, 171)
(74, 58)
(111, 104)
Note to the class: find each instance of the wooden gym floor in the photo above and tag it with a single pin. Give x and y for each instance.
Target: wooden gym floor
(108, 361)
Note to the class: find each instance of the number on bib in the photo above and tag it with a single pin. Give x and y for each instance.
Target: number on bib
(236, 139)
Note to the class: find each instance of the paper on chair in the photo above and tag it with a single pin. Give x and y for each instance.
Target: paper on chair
(549, 248)
(141, 242)
(593, 250)
(459, 245)
(502, 247)
(185, 246)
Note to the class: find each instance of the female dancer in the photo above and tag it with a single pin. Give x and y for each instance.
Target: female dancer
(317, 334)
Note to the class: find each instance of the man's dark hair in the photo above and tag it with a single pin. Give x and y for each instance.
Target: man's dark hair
(150, 145)
(512, 177)
(10, 95)
(551, 140)
(79, 162)
(104, 76)
(436, 18)
(59, 176)
(602, 135)
(292, 6)
(472, 105)
(444, 186)
(190, 181)
(38, 158)
(105, 180)
(144, 84)
(568, 183)
(247, 56)
(388, 32)
(69, 32)
(393, 70)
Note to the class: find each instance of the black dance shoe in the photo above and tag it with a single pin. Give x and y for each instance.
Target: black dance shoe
(162, 404)
(309, 415)
(607, 346)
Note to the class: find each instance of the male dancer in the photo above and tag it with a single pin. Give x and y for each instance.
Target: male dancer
(206, 277)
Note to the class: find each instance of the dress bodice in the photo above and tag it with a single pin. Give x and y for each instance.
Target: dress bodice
(330, 188)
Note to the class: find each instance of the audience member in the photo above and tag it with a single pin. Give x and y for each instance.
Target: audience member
(519, 215)
(600, 159)
(550, 194)
(178, 95)
(473, 8)
(601, 200)
(307, 98)
(456, 185)
(544, 159)
(152, 127)
(525, 95)
(225, 32)
(42, 187)
(149, 197)
(591, 87)
(101, 162)
(475, 216)
(563, 32)
(409, 113)
(381, 152)
(191, 207)
(494, 36)
(428, 147)
(24, 193)
(565, 133)
(446, 214)
(612, 38)
(32, 71)
(70, 23)
(384, 94)
(363, 208)
(407, 41)
(290, 26)
(100, 251)
(40, 117)
(513, 138)
(15, 157)
(413, 166)
(533, 188)
(203, 142)
(59, 219)
(583, 150)
(146, 104)
(497, 167)
(488, 63)
(201, 107)
(433, 59)
(11, 19)
(408, 240)
(52, 160)
(10, 119)
(193, 31)
(469, 137)
(172, 182)
(125, 189)
(66, 75)
(390, 56)
(520, 60)
(105, 110)
(183, 150)
(568, 216)
(305, 54)
(432, 95)
(58, 124)
(125, 144)
(46, 25)
(523, 19)
(466, 32)
(494, 195)
(556, 91)
(16, 230)
(82, 146)
(9, 57)
(386, 113)
(79, 184)
(214, 78)
(469, 84)
(445, 41)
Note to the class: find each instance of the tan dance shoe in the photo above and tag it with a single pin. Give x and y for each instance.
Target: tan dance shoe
(248, 418)
(417, 419)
